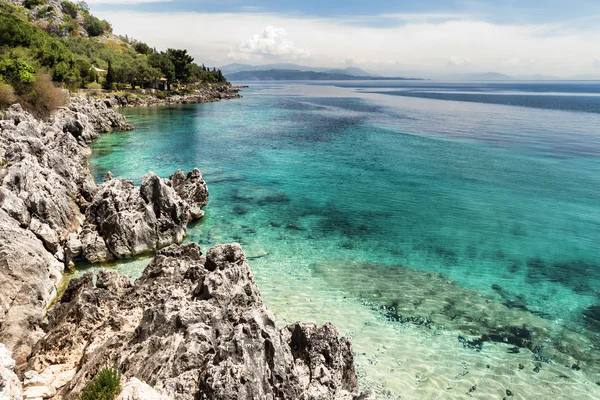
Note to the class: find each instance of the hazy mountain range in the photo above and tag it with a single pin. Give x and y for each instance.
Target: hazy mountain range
(290, 71)
(233, 68)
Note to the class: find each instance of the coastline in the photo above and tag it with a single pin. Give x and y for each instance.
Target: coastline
(47, 192)
(206, 93)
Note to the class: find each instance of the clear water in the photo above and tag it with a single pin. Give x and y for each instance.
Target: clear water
(494, 185)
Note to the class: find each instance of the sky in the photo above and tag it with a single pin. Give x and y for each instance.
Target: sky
(425, 38)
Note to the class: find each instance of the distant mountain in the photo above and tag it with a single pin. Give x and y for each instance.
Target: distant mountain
(297, 75)
(232, 68)
(486, 76)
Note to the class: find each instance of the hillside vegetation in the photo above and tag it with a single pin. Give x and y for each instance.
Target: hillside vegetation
(60, 42)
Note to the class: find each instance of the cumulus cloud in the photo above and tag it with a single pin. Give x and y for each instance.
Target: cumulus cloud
(270, 42)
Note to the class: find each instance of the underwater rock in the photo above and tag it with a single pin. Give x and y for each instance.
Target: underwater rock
(193, 327)
(591, 316)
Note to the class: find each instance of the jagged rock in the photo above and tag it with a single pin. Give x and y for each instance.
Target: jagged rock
(192, 189)
(45, 183)
(135, 389)
(129, 220)
(100, 116)
(10, 385)
(193, 327)
(14, 206)
(28, 280)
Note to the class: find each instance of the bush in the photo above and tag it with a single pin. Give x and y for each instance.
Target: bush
(7, 95)
(42, 98)
(94, 26)
(33, 3)
(16, 71)
(106, 385)
(69, 8)
(94, 86)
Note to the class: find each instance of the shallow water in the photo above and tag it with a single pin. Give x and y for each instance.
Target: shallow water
(341, 195)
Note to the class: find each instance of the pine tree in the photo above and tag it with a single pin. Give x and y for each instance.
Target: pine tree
(110, 77)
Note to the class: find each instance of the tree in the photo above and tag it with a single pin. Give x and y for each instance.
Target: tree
(142, 48)
(110, 77)
(182, 62)
(162, 62)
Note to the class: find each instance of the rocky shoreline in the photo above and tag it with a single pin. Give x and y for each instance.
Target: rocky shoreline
(206, 93)
(191, 327)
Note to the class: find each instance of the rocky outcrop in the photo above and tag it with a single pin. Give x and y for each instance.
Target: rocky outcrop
(192, 189)
(45, 183)
(192, 327)
(124, 220)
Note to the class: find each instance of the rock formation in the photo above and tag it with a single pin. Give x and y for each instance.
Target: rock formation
(124, 220)
(44, 184)
(192, 189)
(192, 327)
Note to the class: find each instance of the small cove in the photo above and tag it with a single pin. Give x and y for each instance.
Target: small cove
(341, 197)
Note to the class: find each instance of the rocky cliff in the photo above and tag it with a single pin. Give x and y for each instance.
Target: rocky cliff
(45, 184)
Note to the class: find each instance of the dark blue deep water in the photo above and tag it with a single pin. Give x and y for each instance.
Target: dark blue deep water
(494, 185)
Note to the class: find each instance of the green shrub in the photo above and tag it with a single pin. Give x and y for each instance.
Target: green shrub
(44, 11)
(69, 8)
(95, 27)
(33, 3)
(106, 385)
(16, 71)
(94, 86)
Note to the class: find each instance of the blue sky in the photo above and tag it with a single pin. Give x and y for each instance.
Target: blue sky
(424, 37)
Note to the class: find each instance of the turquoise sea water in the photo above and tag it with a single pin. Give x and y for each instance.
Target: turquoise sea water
(496, 186)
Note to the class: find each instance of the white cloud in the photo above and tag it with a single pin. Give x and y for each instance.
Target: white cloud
(459, 61)
(270, 42)
(416, 48)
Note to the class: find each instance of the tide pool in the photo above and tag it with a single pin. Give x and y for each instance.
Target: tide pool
(475, 214)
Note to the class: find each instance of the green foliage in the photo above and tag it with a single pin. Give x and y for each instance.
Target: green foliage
(110, 79)
(45, 11)
(70, 60)
(84, 7)
(33, 3)
(182, 62)
(69, 8)
(94, 26)
(17, 71)
(142, 48)
(70, 25)
(106, 385)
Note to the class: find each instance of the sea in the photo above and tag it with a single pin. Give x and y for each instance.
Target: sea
(450, 229)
